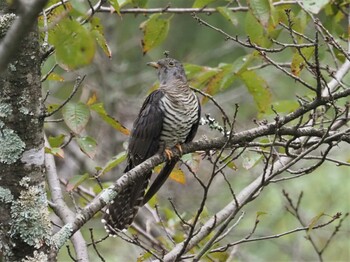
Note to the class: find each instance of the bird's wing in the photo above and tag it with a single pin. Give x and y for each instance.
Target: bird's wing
(143, 143)
(144, 139)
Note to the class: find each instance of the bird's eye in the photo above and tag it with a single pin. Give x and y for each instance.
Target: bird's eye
(171, 63)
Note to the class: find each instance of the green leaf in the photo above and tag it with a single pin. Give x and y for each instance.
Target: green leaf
(298, 61)
(102, 42)
(228, 161)
(261, 10)
(250, 159)
(300, 22)
(115, 161)
(99, 109)
(115, 5)
(98, 33)
(201, 75)
(76, 116)
(255, 31)
(283, 106)
(88, 145)
(228, 14)
(155, 30)
(139, 3)
(258, 88)
(74, 44)
(192, 160)
(52, 107)
(314, 6)
(260, 213)
(56, 141)
(229, 75)
(75, 181)
(202, 3)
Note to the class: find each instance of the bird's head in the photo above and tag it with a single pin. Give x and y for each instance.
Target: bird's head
(169, 70)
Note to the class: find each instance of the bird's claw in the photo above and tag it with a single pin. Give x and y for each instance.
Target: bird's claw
(169, 154)
(178, 146)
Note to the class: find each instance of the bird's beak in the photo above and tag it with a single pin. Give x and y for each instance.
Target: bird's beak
(154, 64)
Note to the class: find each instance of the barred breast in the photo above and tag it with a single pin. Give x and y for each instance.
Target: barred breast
(180, 114)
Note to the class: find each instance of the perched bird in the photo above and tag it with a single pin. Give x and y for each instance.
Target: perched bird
(169, 117)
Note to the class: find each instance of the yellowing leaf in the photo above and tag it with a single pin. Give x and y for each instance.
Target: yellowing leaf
(92, 99)
(298, 61)
(178, 175)
(55, 77)
(314, 220)
(56, 151)
(99, 109)
(155, 30)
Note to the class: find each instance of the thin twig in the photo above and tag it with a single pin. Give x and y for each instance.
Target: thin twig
(77, 84)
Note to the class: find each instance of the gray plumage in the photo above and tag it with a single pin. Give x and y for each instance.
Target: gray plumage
(168, 117)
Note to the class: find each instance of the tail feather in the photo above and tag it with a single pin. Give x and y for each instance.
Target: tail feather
(159, 181)
(122, 210)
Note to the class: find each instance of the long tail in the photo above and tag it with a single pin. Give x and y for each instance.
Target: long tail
(159, 181)
(122, 210)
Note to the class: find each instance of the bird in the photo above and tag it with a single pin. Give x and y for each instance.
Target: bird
(168, 118)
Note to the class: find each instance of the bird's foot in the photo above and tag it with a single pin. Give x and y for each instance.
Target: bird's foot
(178, 146)
(169, 153)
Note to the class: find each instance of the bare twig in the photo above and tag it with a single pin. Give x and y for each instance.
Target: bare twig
(77, 84)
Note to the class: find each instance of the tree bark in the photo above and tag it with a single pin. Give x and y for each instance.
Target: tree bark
(25, 225)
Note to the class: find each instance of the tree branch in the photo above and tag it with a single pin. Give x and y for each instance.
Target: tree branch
(170, 10)
(60, 207)
(18, 30)
(202, 145)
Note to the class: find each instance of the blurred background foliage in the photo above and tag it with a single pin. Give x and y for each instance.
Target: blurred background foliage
(112, 51)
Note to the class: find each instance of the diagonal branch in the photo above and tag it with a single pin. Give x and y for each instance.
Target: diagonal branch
(204, 144)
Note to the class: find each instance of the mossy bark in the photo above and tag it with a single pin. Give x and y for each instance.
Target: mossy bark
(24, 218)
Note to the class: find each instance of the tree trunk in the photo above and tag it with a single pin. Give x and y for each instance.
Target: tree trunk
(25, 225)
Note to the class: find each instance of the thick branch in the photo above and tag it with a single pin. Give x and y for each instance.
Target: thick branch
(19, 29)
(269, 129)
